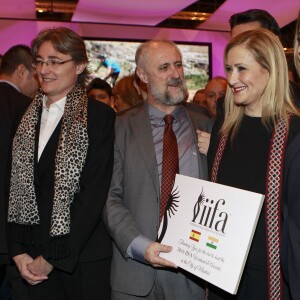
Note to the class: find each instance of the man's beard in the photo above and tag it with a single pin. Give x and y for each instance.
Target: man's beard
(167, 98)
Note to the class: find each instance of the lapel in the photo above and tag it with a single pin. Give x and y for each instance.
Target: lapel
(291, 151)
(141, 129)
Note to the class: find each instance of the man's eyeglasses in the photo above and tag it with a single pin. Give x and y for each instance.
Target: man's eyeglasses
(52, 63)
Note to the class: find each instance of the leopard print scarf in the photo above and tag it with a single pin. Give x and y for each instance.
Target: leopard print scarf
(69, 161)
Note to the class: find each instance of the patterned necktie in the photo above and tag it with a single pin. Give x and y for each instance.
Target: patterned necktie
(170, 164)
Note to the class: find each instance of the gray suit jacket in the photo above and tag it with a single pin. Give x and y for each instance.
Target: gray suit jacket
(133, 204)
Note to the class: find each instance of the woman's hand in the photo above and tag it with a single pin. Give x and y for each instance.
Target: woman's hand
(22, 262)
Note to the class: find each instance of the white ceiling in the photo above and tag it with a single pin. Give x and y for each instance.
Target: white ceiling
(151, 13)
(133, 12)
(284, 11)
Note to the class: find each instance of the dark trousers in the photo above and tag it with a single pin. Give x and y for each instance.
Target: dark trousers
(18, 285)
(89, 281)
(253, 286)
(5, 288)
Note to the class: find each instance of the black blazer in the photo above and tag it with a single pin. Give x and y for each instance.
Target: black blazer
(12, 107)
(290, 243)
(89, 239)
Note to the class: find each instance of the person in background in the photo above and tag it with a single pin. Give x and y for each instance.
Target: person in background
(253, 19)
(200, 98)
(294, 77)
(135, 208)
(112, 66)
(260, 121)
(290, 247)
(61, 170)
(125, 94)
(18, 82)
(293, 74)
(214, 90)
(195, 107)
(101, 91)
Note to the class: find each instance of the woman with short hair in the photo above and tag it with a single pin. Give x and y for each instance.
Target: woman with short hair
(61, 172)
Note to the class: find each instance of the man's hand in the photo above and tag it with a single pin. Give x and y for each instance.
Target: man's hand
(22, 261)
(40, 267)
(203, 141)
(152, 255)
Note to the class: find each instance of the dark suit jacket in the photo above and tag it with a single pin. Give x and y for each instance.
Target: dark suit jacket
(290, 243)
(12, 107)
(89, 240)
(132, 207)
(295, 90)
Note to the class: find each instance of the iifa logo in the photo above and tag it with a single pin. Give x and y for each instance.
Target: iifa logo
(207, 213)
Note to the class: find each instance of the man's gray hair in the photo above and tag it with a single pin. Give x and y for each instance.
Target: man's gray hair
(142, 51)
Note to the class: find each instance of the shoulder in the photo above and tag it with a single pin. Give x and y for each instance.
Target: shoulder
(294, 128)
(295, 89)
(99, 112)
(96, 107)
(293, 145)
(132, 112)
(13, 99)
(8, 91)
(199, 120)
(194, 107)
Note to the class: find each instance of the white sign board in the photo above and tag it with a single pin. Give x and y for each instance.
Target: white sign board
(210, 227)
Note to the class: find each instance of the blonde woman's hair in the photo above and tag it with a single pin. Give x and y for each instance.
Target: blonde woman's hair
(296, 45)
(276, 99)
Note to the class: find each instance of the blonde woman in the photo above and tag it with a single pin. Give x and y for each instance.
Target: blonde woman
(248, 150)
(290, 249)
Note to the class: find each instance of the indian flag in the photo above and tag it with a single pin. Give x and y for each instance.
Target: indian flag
(211, 242)
(195, 235)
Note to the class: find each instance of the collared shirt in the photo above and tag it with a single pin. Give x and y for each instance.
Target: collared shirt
(187, 153)
(49, 120)
(187, 150)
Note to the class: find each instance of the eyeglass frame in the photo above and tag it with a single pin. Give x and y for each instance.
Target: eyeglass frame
(48, 62)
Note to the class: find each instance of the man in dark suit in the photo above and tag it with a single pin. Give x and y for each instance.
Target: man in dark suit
(290, 245)
(290, 259)
(18, 83)
(132, 211)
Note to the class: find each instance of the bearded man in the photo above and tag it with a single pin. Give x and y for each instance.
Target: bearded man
(135, 208)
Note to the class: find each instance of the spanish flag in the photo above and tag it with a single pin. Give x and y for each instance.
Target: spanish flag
(211, 242)
(195, 235)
